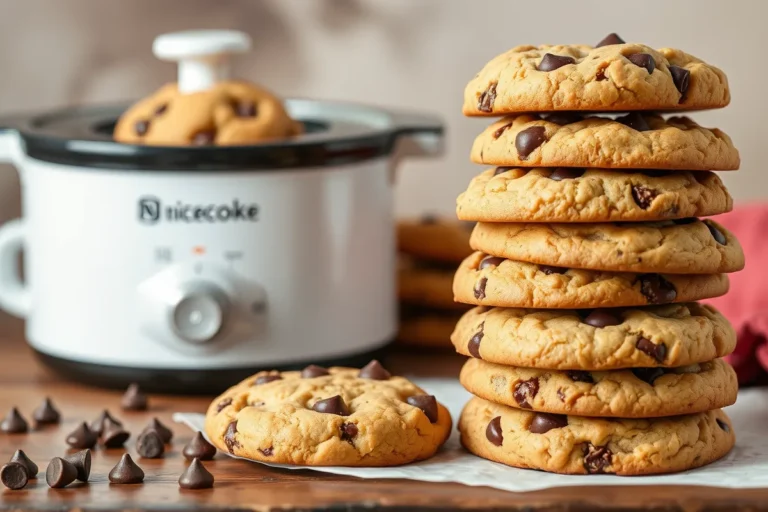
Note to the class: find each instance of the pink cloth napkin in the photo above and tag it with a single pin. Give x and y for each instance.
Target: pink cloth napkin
(746, 305)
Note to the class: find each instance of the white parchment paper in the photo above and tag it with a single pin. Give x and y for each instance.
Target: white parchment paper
(745, 467)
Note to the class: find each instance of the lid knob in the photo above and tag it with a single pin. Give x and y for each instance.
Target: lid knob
(203, 55)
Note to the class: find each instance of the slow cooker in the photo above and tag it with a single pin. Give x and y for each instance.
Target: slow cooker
(187, 268)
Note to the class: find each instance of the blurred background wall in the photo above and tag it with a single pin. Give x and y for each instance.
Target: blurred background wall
(415, 54)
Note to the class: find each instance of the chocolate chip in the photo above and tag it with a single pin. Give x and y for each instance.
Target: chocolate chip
(490, 261)
(142, 127)
(563, 118)
(610, 39)
(105, 418)
(500, 170)
(493, 431)
(196, 476)
(643, 60)
(602, 318)
(246, 109)
(643, 196)
(658, 352)
(14, 476)
(267, 452)
(566, 173)
(82, 462)
(332, 405)
(549, 270)
(264, 379)
(229, 437)
(634, 120)
(600, 75)
(126, 472)
(560, 394)
(501, 130)
(60, 473)
(485, 103)
(552, 62)
(525, 391)
(648, 375)
(348, 431)
(543, 423)
(150, 445)
(596, 458)
(716, 233)
(480, 288)
(204, 138)
(374, 371)
(526, 141)
(657, 289)
(21, 457)
(134, 399)
(473, 347)
(199, 447)
(681, 77)
(160, 110)
(166, 434)
(223, 404)
(46, 413)
(723, 425)
(14, 423)
(427, 403)
(580, 376)
(312, 371)
(114, 436)
(82, 437)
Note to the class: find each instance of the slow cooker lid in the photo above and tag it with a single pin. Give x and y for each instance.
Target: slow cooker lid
(336, 133)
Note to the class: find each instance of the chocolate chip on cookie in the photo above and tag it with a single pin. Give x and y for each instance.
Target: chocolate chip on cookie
(681, 77)
(580, 376)
(643, 196)
(549, 270)
(657, 289)
(427, 403)
(485, 103)
(265, 379)
(634, 120)
(529, 139)
(312, 371)
(223, 404)
(551, 62)
(648, 375)
(500, 170)
(543, 422)
(658, 352)
(602, 318)
(493, 432)
(332, 405)
(610, 39)
(141, 127)
(596, 458)
(498, 133)
(229, 437)
(246, 109)
(566, 173)
(474, 343)
(349, 431)
(374, 371)
(160, 110)
(563, 118)
(204, 138)
(490, 261)
(479, 289)
(716, 233)
(525, 391)
(643, 60)
(723, 425)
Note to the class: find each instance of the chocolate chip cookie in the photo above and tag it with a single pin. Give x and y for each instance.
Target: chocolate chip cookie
(635, 393)
(601, 339)
(424, 327)
(492, 281)
(610, 77)
(434, 239)
(577, 445)
(684, 246)
(328, 417)
(229, 113)
(509, 194)
(425, 285)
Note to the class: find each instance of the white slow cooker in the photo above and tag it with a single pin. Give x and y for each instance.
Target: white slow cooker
(187, 268)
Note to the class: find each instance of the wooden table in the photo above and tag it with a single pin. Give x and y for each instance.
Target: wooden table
(245, 486)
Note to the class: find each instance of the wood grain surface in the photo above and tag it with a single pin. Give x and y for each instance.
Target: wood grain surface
(246, 486)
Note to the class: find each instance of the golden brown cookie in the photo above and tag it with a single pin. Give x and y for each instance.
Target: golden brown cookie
(423, 285)
(427, 329)
(434, 239)
(578, 445)
(229, 113)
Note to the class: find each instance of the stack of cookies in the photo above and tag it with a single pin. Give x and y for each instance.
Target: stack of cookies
(429, 249)
(589, 352)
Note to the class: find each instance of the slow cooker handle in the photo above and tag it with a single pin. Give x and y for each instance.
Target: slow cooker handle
(417, 135)
(14, 294)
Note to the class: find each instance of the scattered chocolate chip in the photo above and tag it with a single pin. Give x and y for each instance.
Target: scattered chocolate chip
(474, 342)
(610, 39)
(374, 371)
(634, 120)
(526, 141)
(716, 233)
(332, 405)
(267, 452)
(134, 399)
(223, 404)
(126, 472)
(114, 436)
(348, 431)
(643, 196)
(490, 261)
(14, 476)
(525, 391)
(312, 371)
(246, 109)
(229, 437)
(82, 462)
(580, 376)
(46, 413)
(549, 270)
(501, 130)
(543, 422)
(264, 379)
(566, 173)
(681, 77)
(648, 375)
(82, 437)
(160, 110)
(196, 476)
(723, 425)
(602, 318)
(596, 458)
(480, 288)
(105, 418)
(150, 445)
(493, 431)
(501, 170)
(485, 102)
(658, 352)
(563, 118)
(21, 457)
(14, 423)
(427, 403)
(600, 75)
(141, 127)
(657, 289)
(552, 62)
(204, 138)
(60, 473)
(200, 448)
(643, 60)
